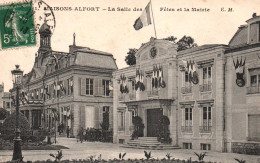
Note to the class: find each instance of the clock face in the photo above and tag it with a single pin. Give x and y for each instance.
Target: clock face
(240, 82)
(153, 52)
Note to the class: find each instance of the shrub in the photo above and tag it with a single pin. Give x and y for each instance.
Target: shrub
(138, 127)
(163, 130)
(9, 127)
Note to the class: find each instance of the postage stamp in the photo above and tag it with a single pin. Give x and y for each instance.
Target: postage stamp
(17, 25)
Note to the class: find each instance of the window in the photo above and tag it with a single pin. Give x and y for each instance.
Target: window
(133, 85)
(206, 79)
(205, 146)
(7, 104)
(206, 75)
(187, 145)
(89, 86)
(106, 116)
(68, 86)
(187, 79)
(186, 84)
(254, 86)
(206, 120)
(187, 124)
(105, 87)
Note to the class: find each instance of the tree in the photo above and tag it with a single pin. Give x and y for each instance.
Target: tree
(130, 58)
(3, 113)
(185, 42)
(9, 127)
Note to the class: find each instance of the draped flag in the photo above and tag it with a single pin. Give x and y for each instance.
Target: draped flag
(123, 84)
(139, 80)
(157, 77)
(144, 19)
(240, 71)
(190, 68)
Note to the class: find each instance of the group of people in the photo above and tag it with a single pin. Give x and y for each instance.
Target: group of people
(61, 128)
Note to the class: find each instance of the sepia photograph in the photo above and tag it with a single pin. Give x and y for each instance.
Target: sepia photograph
(130, 81)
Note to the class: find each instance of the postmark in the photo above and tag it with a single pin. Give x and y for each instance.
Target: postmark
(17, 25)
(43, 14)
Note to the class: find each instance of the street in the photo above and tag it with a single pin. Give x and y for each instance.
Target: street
(84, 150)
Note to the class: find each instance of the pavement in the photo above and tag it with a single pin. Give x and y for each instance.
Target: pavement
(85, 150)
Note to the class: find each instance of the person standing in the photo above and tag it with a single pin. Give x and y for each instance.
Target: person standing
(68, 131)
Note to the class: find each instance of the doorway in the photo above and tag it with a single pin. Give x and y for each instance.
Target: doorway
(153, 117)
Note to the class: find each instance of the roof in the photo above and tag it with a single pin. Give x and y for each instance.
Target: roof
(198, 48)
(240, 36)
(88, 50)
(85, 58)
(45, 28)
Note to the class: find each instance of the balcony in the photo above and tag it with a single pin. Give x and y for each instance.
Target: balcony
(205, 87)
(185, 90)
(152, 93)
(186, 128)
(253, 89)
(205, 129)
(132, 95)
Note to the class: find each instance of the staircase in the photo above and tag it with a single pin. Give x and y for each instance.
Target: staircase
(148, 143)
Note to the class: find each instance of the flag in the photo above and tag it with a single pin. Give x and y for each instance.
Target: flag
(144, 19)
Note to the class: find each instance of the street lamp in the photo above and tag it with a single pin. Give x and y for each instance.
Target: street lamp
(17, 75)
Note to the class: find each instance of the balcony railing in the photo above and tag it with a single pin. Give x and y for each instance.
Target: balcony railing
(186, 128)
(253, 89)
(205, 129)
(132, 95)
(153, 93)
(205, 87)
(185, 90)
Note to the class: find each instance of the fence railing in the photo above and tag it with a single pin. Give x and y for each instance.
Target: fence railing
(186, 128)
(253, 89)
(205, 87)
(205, 129)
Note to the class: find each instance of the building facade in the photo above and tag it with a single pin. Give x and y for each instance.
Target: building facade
(67, 88)
(5, 99)
(210, 95)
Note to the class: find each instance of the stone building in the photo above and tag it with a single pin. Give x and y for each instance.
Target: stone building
(5, 99)
(69, 88)
(211, 93)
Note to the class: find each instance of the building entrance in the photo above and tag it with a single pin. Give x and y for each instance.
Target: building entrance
(153, 116)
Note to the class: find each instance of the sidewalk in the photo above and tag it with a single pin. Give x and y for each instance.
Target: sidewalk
(84, 150)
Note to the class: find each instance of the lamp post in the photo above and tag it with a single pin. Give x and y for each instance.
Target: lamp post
(17, 75)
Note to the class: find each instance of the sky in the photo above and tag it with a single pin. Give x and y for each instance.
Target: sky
(113, 32)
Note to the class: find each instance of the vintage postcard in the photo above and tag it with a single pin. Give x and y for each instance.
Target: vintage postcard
(130, 81)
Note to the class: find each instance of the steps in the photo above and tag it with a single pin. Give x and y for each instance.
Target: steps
(148, 143)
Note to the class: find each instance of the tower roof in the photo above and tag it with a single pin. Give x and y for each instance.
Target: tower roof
(45, 29)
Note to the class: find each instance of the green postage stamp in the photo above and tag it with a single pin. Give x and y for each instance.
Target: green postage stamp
(17, 25)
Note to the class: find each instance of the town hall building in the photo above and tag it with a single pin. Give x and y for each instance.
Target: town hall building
(209, 93)
(69, 88)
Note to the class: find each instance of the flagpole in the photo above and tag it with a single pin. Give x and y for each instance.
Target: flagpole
(153, 20)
